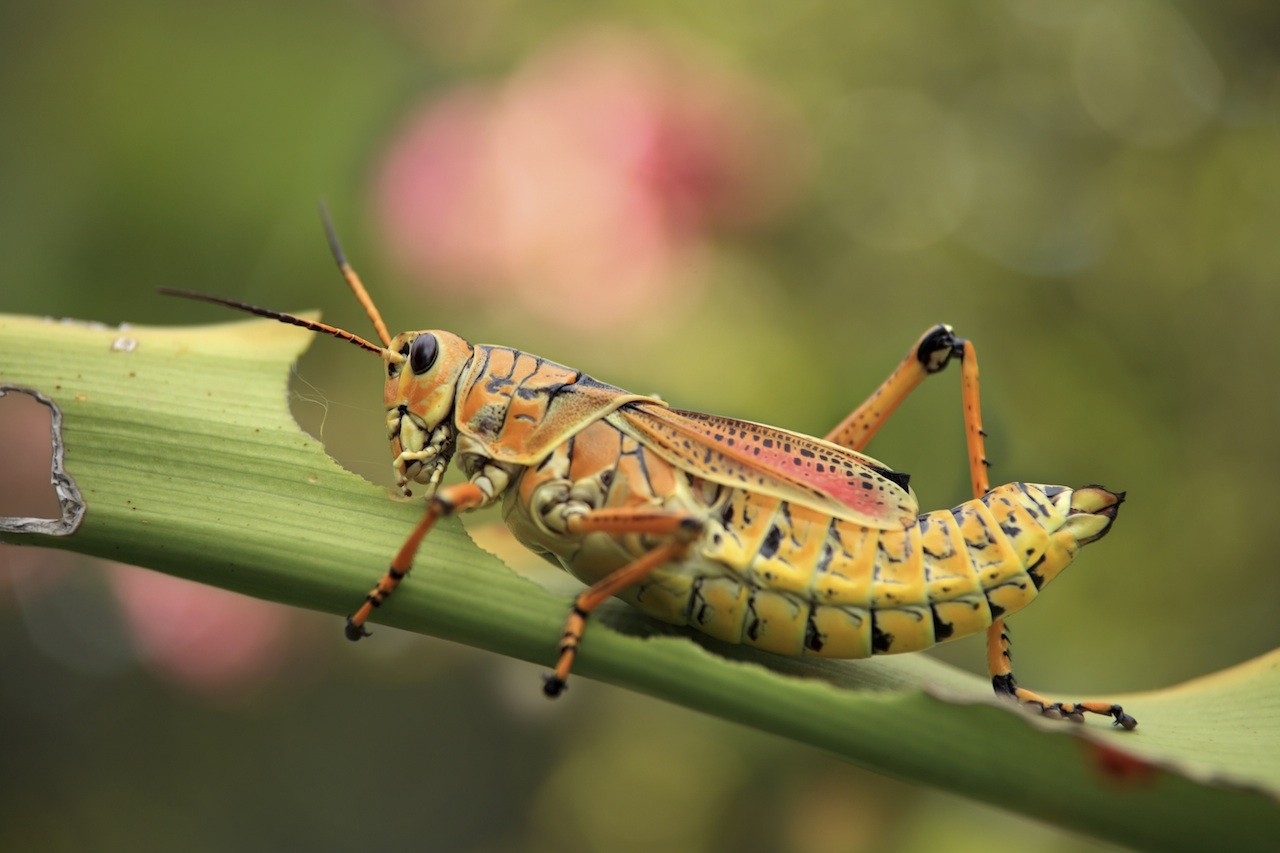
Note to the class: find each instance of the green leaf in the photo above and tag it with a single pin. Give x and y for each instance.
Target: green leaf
(189, 462)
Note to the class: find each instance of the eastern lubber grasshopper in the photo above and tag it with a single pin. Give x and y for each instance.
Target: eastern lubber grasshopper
(749, 533)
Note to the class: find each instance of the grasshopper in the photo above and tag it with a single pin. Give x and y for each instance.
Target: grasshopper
(749, 533)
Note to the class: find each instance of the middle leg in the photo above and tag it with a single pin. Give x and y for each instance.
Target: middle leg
(680, 527)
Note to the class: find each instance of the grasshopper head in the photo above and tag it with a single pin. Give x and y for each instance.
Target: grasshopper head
(423, 369)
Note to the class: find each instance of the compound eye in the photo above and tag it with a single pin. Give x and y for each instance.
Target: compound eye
(423, 353)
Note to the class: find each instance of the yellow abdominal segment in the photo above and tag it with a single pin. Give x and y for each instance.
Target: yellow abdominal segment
(792, 581)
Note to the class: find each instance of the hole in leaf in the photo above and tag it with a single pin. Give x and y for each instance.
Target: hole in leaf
(26, 457)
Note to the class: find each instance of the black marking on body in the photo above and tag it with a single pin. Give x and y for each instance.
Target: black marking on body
(1039, 505)
(568, 452)
(483, 367)
(533, 371)
(813, 638)
(496, 382)
(610, 474)
(590, 382)
(772, 540)
(883, 555)
(488, 422)
(1033, 571)
(925, 524)
(640, 453)
(696, 610)
(941, 630)
(1011, 530)
(753, 621)
(555, 389)
(785, 510)
(961, 514)
(546, 460)
(824, 559)
(881, 641)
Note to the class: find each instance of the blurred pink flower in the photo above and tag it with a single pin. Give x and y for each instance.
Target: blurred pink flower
(583, 189)
(211, 641)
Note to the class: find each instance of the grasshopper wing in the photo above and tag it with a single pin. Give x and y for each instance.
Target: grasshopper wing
(798, 468)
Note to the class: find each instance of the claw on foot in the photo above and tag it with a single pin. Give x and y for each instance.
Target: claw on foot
(1075, 711)
(553, 685)
(1122, 719)
(355, 632)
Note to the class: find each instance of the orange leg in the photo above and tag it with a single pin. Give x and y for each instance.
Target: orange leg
(447, 501)
(656, 522)
(999, 662)
(1001, 668)
(929, 355)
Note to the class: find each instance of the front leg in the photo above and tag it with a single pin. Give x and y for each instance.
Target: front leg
(448, 500)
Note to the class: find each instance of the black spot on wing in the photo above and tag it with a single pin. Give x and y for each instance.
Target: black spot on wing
(898, 478)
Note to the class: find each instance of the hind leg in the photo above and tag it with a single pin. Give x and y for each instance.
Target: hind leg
(929, 355)
(999, 662)
(1001, 669)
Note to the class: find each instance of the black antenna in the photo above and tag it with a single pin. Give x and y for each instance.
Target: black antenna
(275, 315)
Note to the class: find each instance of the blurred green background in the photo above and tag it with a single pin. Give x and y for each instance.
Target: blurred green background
(753, 214)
